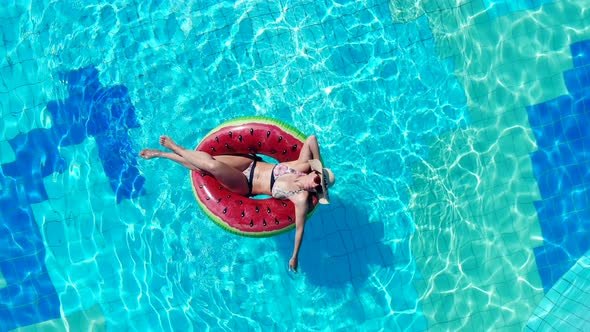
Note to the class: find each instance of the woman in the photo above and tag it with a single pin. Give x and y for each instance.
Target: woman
(248, 175)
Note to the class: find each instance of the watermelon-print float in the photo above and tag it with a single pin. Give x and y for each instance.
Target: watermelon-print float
(237, 213)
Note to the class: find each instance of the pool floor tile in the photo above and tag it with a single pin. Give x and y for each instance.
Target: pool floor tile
(564, 306)
(7, 154)
(87, 320)
(28, 302)
(505, 87)
(581, 53)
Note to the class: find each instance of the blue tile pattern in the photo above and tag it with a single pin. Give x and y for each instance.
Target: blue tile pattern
(561, 167)
(90, 110)
(105, 114)
(30, 296)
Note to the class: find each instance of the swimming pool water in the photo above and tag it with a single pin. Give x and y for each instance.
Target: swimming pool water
(461, 189)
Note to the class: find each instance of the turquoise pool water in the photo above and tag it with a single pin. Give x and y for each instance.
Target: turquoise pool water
(436, 135)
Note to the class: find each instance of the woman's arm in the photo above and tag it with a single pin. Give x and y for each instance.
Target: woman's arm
(309, 151)
(300, 202)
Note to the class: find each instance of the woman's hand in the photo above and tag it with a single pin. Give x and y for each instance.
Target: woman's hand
(293, 262)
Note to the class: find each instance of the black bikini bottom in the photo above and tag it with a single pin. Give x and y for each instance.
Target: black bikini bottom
(250, 178)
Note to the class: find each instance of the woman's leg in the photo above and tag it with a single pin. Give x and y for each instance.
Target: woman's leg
(153, 153)
(238, 162)
(228, 176)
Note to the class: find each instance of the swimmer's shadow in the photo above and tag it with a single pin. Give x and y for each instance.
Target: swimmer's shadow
(340, 244)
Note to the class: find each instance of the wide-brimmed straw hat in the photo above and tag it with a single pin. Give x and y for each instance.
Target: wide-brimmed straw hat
(327, 177)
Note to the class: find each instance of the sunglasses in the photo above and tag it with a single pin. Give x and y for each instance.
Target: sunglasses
(318, 180)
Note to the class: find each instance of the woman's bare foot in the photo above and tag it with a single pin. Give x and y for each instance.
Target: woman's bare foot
(168, 143)
(150, 153)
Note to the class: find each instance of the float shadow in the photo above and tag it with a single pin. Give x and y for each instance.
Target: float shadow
(339, 245)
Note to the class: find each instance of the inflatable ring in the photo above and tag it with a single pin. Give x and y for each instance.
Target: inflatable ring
(237, 213)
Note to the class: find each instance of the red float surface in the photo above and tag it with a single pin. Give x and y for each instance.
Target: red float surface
(237, 213)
